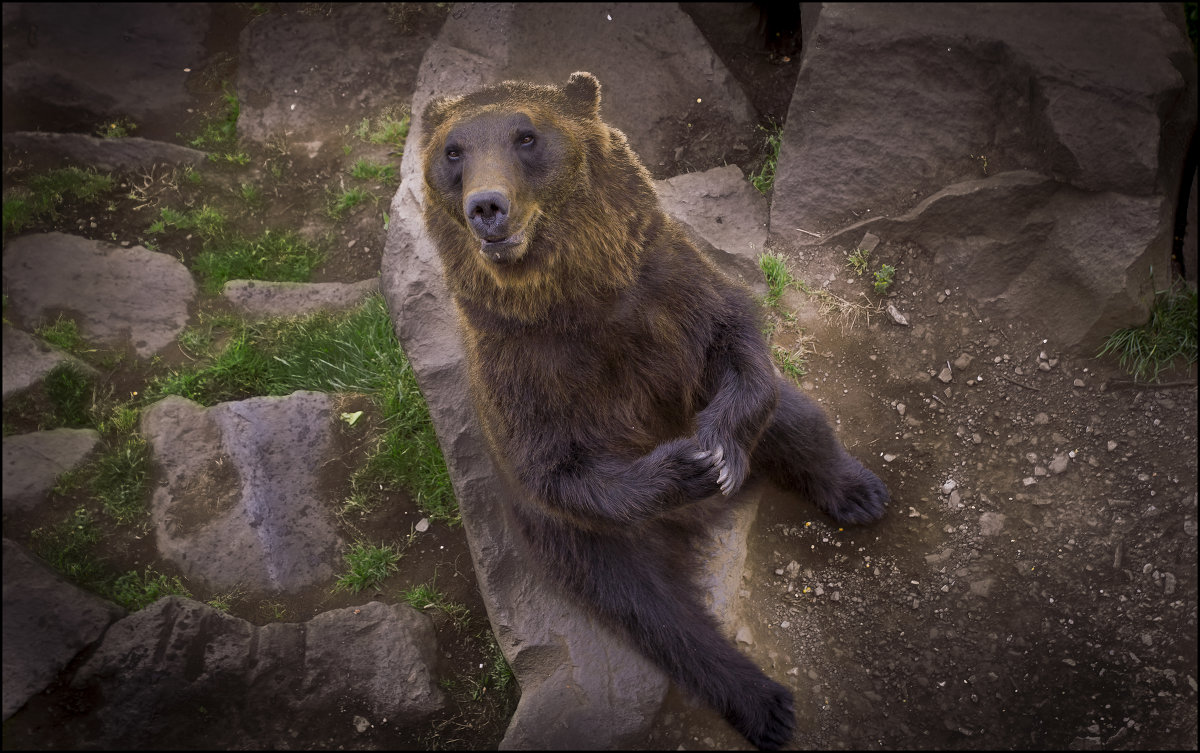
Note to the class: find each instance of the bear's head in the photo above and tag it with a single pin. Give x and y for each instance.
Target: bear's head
(499, 158)
(530, 197)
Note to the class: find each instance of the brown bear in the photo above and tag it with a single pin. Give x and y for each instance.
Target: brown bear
(623, 383)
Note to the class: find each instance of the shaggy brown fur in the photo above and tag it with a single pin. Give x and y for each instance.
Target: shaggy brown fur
(623, 382)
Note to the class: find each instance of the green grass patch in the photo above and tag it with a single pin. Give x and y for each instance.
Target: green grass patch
(250, 194)
(779, 277)
(207, 222)
(44, 192)
(63, 333)
(793, 363)
(368, 566)
(119, 479)
(226, 600)
(67, 547)
(134, 590)
(70, 547)
(1144, 352)
(218, 135)
(118, 475)
(391, 127)
(496, 676)
(220, 131)
(427, 596)
(764, 178)
(354, 352)
(20, 211)
(71, 393)
(280, 257)
(366, 170)
(346, 199)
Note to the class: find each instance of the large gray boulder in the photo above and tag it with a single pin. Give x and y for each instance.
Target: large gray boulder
(906, 107)
(117, 296)
(240, 500)
(91, 61)
(257, 686)
(47, 622)
(581, 685)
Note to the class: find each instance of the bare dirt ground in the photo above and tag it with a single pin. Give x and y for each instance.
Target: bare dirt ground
(1047, 600)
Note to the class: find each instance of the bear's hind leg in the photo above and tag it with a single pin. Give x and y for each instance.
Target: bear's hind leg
(799, 452)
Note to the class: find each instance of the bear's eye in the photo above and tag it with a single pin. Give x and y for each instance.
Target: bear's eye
(526, 140)
(453, 154)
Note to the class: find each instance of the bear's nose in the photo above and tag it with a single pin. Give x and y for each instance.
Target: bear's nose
(487, 211)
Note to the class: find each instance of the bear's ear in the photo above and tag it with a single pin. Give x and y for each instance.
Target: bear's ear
(583, 94)
(436, 112)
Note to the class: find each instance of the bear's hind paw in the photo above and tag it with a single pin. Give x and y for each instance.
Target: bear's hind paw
(863, 499)
(770, 723)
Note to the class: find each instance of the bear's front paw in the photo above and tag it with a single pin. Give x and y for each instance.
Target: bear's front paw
(863, 496)
(688, 471)
(732, 463)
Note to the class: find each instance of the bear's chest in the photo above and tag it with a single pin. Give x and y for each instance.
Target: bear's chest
(635, 380)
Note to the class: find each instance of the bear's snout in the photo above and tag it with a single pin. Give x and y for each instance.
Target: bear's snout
(487, 213)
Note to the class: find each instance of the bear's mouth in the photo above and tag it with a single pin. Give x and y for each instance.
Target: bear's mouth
(503, 250)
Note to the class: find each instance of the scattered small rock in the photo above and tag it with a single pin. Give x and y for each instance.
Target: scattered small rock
(991, 523)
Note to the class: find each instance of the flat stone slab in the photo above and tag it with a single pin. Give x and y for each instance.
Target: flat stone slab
(257, 298)
(240, 503)
(116, 295)
(27, 359)
(255, 686)
(128, 154)
(33, 462)
(47, 622)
